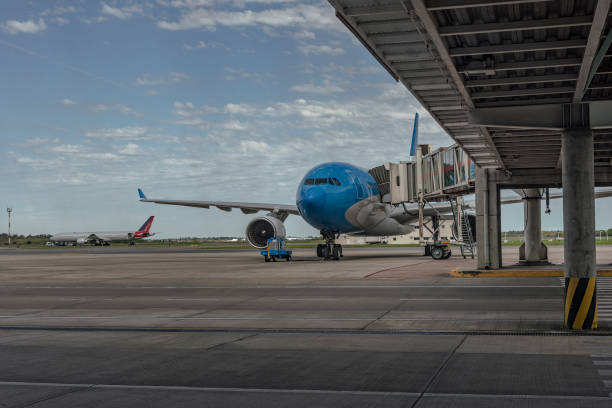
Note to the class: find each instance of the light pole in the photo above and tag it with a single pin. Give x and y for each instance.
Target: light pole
(9, 211)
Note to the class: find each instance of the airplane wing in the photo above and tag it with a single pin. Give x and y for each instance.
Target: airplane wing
(246, 208)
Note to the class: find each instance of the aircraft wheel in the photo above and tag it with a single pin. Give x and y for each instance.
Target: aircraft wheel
(273, 258)
(320, 251)
(336, 252)
(324, 251)
(448, 254)
(437, 253)
(267, 259)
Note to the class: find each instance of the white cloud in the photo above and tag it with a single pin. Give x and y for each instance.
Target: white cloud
(67, 101)
(326, 89)
(127, 133)
(303, 35)
(66, 148)
(149, 80)
(125, 110)
(29, 26)
(311, 49)
(305, 16)
(60, 20)
(178, 76)
(152, 92)
(249, 146)
(239, 109)
(130, 149)
(182, 162)
(121, 13)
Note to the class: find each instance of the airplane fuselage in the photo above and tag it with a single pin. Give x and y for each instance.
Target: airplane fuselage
(343, 198)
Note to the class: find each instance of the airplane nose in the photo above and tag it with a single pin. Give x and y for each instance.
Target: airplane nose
(313, 201)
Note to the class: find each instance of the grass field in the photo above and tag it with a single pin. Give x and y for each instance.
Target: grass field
(38, 242)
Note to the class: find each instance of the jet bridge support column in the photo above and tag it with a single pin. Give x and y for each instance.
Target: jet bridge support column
(533, 251)
(579, 229)
(488, 220)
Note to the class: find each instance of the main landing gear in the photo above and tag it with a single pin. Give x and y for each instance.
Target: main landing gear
(329, 250)
(438, 252)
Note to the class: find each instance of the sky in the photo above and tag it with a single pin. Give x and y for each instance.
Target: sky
(231, 100)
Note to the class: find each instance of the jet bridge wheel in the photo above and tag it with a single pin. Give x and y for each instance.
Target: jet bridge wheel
(440, 252)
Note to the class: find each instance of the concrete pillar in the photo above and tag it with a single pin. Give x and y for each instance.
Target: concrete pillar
(488, 220)
(533, 251)
(579, 229)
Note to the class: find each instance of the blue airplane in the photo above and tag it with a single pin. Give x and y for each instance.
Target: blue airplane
(335, 198)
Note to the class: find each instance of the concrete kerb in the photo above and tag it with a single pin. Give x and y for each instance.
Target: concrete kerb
(513, 272)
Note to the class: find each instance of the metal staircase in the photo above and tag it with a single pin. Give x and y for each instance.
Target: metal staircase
(465, 238)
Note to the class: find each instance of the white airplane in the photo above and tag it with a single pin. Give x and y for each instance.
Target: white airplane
(103, 238)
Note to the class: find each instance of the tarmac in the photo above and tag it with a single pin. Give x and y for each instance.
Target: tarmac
(160, 327)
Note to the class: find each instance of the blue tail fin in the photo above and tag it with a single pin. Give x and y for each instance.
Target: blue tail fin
(141, 194)
(415, 135)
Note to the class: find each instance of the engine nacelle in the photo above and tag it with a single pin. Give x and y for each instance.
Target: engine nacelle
(81, 241)
(261, 229)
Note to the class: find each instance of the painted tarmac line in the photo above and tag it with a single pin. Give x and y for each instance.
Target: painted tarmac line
(294, 391)
(287, 287)
(191, 300)
(602, 363)
(309, 299)
(205, 389)
(605, 372)
(434, 300)
(330, 319)
(599, 355)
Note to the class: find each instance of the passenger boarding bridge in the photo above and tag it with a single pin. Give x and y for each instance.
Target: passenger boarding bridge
(444, 173)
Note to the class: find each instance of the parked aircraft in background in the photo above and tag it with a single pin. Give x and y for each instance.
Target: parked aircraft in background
(103, 238)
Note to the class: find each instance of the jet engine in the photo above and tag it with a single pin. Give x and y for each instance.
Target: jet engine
(261, 228)
(81, 241)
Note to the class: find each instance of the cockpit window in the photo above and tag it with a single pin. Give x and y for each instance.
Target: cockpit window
(334, 181)
(320, 181)
(309, 181)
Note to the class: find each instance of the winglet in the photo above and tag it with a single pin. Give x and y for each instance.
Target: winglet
(141, 194)
(415, 135)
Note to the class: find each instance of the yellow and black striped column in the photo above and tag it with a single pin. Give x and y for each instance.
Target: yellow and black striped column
(580, 303)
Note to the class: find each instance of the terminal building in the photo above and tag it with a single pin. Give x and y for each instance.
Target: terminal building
(524, 87)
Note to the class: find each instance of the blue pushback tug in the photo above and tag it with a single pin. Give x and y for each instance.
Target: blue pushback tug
(276, 250)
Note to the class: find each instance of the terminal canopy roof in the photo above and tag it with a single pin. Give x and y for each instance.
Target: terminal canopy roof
(461, 56)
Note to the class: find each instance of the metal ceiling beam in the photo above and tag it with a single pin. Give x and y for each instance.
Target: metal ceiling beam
(428, 21)
(599, 23)
(521, 65)
(455, 4)
(397, 37)
(418, 65)
(523, 102)
(521, 47)
(431, 27)
(540, 24)
(373, 10)
(521, 80)
(522, 92)
(387, 24)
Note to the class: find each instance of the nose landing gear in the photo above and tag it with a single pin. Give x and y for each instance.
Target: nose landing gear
(329, 250)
